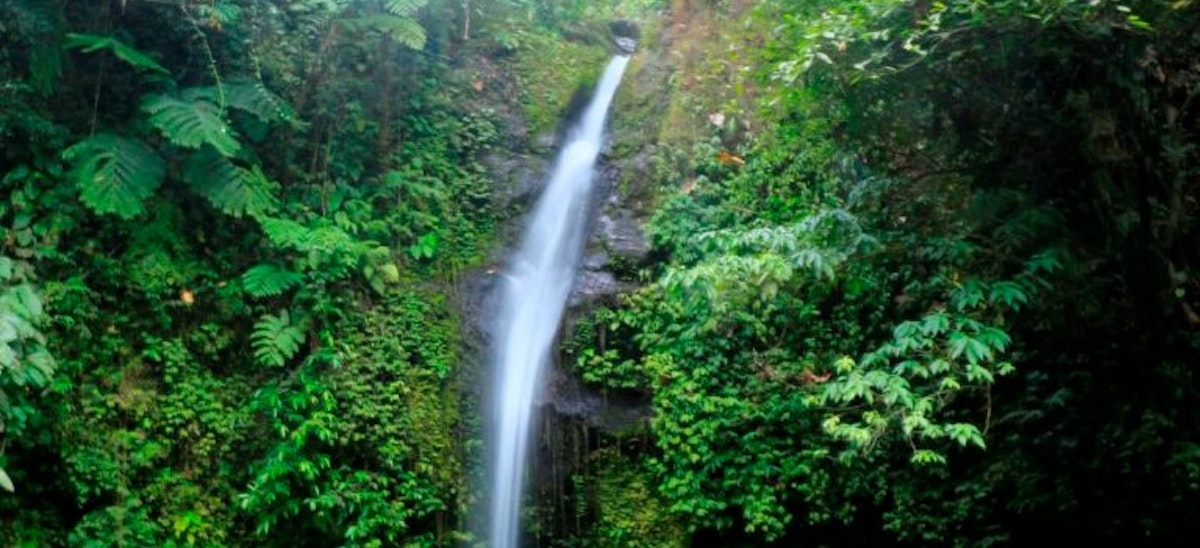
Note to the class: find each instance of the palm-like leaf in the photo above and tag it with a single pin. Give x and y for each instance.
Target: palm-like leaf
(269, 280)
(276, 339)
(404, 30)
(286, 233)
(115, 174)
(89, 43)
(191, 124)
(250, 97)
(233, 189)
(403, 8)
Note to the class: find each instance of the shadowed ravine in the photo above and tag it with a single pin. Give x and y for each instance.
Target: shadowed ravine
(535, 293)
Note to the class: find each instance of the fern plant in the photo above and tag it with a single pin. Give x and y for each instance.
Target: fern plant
(404, 8)
(333, 254)
(250, 97)
(404, 30)
(269, 280)
(286, 233)
(276, 339)
(235, 190)
(191, 124)
(25, 363)
(115, 174)
(90, 43)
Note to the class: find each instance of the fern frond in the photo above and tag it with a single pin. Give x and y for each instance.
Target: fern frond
(191, 124)
(89, 43)
(404, 30)
(269, 280)
(233, 189)
(115, 174)
(250, 97)
(286, 233)
(404, 8)
(276, 339)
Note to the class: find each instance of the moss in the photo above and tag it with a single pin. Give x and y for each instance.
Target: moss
(629, 510)
(640, 103)
(549, 70)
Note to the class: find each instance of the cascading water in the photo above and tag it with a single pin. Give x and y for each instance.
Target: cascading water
(543, 272)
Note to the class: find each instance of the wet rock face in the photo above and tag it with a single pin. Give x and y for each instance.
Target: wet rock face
(622, 235)
(612, 413)
(625, 29)
(625, 44)
(518, 177)
(616, 248)
(594, 285)
(625, 36)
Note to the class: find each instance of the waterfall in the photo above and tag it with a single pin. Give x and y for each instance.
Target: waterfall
(536, 291)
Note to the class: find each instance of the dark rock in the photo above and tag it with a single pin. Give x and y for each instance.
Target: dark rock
(613, 413)
(596, 260)
(593, 285)
(622, 235)
(625, 29)
(625, 36)
(517, 177)
(625, 44)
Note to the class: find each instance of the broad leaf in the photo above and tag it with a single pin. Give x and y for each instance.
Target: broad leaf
(115, 174)
(276, 339)
(233, 189)
(269, 280)
(250, 97)
(286, 233)
(191, 124)
(404, 30)
(404, 8)
(6, 483)
(89, 43)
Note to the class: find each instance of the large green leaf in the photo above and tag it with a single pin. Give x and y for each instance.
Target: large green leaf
(269, 280)
(115, 174)
(404, 30)
(276, 339)
(89, 43)
(6, 483)
(191, 124)
(404, 8)
(287, 233)
(250, 97)
(233, 189)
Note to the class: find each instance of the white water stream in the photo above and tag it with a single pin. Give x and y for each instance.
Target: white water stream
(543, 272)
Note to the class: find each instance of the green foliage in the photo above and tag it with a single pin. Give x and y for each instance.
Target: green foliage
(269, 280)
(629, 510)
(403, 30)
(549, 72)
(90, 43)
(250, 97)
(332, 253)
(338, 472)
(162, 329)
(235, 190)
(25, 361)
(976, 192)
(191, 124)
(276, 339)
(115, 174)
(404, 8)
(6, 482)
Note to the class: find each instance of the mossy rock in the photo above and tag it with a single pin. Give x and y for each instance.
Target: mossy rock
(629, 511)
(550, 71)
